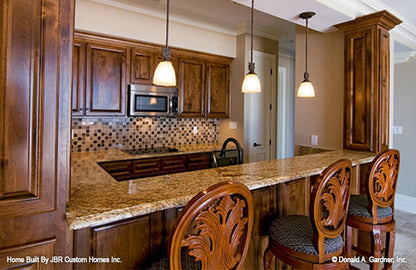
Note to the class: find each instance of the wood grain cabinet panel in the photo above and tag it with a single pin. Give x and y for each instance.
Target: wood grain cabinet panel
(218, 90)
(106, 80)
(142, 65)
(198, 161)
(78, 78)
(35, 96)
(191, 87)
(367, 62)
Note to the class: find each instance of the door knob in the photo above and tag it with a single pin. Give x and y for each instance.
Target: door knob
(256, 144)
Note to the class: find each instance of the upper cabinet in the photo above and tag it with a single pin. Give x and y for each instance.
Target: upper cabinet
(99, 78)
(217, 89)
(103, 67)
(204, 87)
(367, 71)
(106, 80)
(142, 65)
(191, 87)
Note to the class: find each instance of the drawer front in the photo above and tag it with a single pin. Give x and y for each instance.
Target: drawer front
(174, 164)
(147, 167)
(117, 166)
(198, 161)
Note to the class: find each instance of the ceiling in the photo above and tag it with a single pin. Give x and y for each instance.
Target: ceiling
(275, 19)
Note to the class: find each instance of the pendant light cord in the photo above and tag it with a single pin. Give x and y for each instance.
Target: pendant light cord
(306, 49)
(167, 24)
(252, 12)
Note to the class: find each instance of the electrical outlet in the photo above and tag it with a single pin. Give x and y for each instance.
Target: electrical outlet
(233, 125)
(397, 130)
(314, 139)
(195, 130)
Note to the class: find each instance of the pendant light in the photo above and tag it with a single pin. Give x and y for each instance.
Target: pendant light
(251, 83)
(306, 88)
(165, 73)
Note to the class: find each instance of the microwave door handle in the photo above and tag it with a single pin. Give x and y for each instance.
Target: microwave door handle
(170, 105)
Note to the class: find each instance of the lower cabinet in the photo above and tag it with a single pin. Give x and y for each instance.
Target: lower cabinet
(130, 169)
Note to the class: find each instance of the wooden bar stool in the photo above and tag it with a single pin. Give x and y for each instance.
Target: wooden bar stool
(213, 230)
(311, 242)
(375, 212)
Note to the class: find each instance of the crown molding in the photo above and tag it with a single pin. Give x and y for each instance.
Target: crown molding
(148, 11)
(403, 57)
(404, 33)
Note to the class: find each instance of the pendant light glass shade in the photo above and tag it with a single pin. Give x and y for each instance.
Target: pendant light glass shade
(165, 73)
(251, 83)
(306, 88)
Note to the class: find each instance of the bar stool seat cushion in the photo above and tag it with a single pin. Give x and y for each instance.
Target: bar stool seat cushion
(359, 207)
(188, 262)
(296, 233)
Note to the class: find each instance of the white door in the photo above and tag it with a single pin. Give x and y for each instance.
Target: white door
(257, 111)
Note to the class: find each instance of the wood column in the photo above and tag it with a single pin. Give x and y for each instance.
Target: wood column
(367, 72)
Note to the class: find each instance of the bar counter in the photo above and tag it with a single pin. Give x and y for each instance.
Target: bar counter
(96, 198)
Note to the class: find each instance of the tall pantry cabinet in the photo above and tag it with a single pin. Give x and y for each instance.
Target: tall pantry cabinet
(35, 116)
(367, 72)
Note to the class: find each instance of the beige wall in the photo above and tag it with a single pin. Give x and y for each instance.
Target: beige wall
(404, 113)
(323, 114)
(137, 24)
(239, 69)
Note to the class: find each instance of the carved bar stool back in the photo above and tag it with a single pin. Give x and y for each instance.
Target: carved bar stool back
(375, 212)
(311, 242)
(213, 230)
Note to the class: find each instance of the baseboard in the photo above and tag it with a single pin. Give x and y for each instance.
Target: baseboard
(405, 203)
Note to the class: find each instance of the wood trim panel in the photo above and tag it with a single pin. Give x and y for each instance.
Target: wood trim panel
(384, 84)
(28, 175)
(20, 253)
(78, 78)
(359, 104)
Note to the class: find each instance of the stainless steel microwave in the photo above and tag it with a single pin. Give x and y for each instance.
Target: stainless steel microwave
(150, 100)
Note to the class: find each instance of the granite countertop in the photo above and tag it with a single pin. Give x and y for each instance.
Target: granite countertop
(97, 198)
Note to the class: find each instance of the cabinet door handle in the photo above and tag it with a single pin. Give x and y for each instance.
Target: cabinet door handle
(256, 144)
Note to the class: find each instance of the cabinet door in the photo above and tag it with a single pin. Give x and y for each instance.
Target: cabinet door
(142, 65)
(146, 167)
(360, 93)
(173, 164)
(191, 87)
(218, 90)
(106, 80)
(35, 83)
(197, 161)
(78, 78)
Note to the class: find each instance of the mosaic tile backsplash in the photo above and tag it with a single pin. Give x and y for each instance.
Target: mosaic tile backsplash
(141, 132)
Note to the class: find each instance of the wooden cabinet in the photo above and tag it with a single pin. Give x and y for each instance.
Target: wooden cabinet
(217, 101)
(191, 87)
(99, 77)
(367, 71)
(103, 66)
(35, 79)
(204, 88)
(143, 64)
(139, 168)
(106, 80)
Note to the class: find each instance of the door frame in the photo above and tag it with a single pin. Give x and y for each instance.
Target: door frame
(273, 111)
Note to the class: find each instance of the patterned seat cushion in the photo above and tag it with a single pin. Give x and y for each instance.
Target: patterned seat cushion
(359, 204)
(188, 263)
(295, 232)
